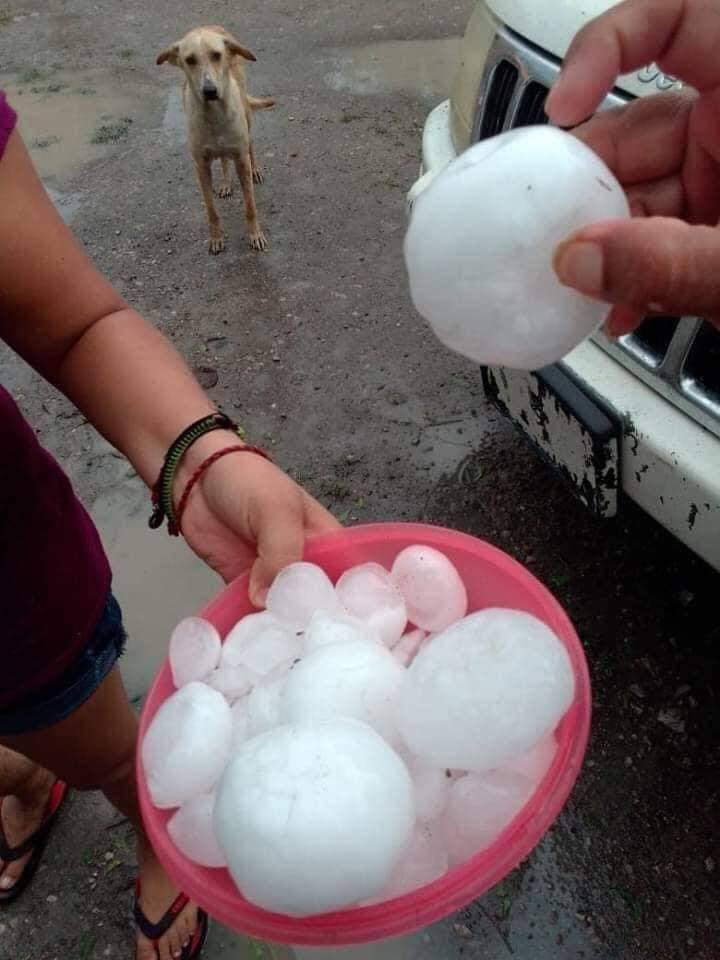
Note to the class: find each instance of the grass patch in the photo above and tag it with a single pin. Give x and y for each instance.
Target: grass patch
(5, 17)
(42, 143)
(49, 88)
(116, 131)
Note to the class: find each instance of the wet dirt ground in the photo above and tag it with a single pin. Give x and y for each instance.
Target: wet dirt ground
(315, 348)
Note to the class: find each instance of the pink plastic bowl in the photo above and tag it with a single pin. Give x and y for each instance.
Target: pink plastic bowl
(492, 579)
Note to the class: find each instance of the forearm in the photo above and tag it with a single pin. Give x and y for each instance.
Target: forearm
(135, 388)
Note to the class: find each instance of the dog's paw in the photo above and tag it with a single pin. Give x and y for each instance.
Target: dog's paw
(216, 244)
(258, 176)
(257, 241)
(224, 190)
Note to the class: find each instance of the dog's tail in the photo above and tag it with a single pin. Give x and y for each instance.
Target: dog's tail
(261, 103)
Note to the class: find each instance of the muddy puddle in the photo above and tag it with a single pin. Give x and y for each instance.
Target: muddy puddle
(69, 119)
(426, 67)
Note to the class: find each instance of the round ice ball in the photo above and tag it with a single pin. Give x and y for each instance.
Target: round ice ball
(259, 642)
(435, 596)
(325, 628)
(368, 593)
(485, 691)
(187, 745)
(191, 830)
(298, 592)
(352, 679)
(481, 240)
(194, 650)
(313, 817)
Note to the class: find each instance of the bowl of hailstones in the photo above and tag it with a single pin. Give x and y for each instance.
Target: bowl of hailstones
(383, 743)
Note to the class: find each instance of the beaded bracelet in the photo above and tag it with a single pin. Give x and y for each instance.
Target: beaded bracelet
(162, 490)
(175, 523)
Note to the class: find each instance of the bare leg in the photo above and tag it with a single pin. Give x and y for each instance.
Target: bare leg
(244, 171)
(92, 749)
(226, 188)
(203, 169)
(256, 171)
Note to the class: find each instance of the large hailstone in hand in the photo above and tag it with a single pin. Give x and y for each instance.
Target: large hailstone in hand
(313, 817)
(351, 679)
(485, 691)
(481, 241)
(260, 643)
(187, 745)
(368, 593)
(299, 591)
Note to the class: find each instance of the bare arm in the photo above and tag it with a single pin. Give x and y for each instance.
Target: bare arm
(60, 314)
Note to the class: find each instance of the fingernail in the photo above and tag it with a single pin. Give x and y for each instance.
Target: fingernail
(580, 265)
(6, 883)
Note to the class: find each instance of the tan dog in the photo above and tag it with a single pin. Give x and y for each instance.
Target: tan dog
(219, 114)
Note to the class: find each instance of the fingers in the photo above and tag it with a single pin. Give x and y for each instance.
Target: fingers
(659, 198)
(656, 264)
(643, 141)
(280, 539)
(682, 36)
(317, 519)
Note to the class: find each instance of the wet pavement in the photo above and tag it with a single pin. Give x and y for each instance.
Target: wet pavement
(316, 349)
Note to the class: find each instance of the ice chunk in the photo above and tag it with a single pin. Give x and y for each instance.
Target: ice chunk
(484, 232)
(537, 761)
(432, 788)
(187, 745)
(479, 809)
(298, 592)
(240, 723)
(325, 628)
(263, 704)
(259, 642)
(313, 817)
(424, 861)
(194, 650)
(368, 593)
(353, 679)
(435, 596)
(484, 691)
(407, 647)
(231, 682)
(191, 830)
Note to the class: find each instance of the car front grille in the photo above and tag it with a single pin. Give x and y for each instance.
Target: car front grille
(679, 357)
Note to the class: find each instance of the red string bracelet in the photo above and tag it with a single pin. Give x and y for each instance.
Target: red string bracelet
(174, 528)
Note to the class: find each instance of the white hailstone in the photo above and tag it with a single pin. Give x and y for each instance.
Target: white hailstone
(231, 682)
(187, 745)
(194, 650)
(408, 646)
(434, 594)
(424, 861)
(368, 593)
(484, 691)
(260, 643)
(264, 703)
(240, 723)
(481, 240)
(191, 830)
(314, 817)
(537, 761)
(432, 788)
(325, 628)
(481, 805)
(299, 591)
(353, 679)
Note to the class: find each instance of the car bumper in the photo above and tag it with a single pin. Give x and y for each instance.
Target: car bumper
(666, 462)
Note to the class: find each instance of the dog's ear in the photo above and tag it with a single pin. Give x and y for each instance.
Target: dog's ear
(238, 49)
(169, 56)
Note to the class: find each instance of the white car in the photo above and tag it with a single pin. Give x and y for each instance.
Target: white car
(640, 416)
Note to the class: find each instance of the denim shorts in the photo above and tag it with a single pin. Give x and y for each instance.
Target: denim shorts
(81, 679)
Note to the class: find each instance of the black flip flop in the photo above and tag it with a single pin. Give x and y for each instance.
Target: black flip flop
(34, 845)
(154, 931)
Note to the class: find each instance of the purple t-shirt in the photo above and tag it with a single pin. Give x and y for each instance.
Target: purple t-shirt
(54, 576)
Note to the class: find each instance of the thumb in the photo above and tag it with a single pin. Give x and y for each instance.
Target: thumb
(280, 540)
(654, 264)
